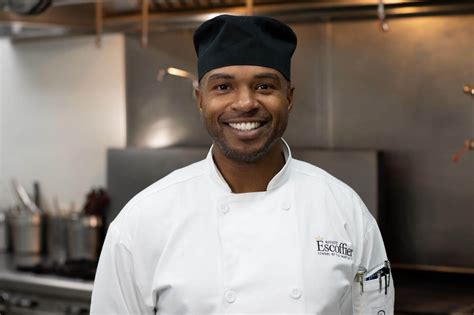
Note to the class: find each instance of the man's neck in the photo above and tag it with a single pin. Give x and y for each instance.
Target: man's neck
(250, 177)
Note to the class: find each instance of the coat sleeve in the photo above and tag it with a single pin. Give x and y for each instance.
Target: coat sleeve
(115, 290)
(376, 294)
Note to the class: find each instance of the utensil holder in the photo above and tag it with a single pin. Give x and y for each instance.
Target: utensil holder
(83, 237)
(25, 229)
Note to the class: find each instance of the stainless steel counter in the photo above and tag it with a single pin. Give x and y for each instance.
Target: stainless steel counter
(50, 284)
(41, 293)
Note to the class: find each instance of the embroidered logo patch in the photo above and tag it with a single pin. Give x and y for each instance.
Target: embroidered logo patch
(333, 248)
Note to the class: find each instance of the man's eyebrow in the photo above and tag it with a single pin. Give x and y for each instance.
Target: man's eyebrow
(266, 75)
(217, 76)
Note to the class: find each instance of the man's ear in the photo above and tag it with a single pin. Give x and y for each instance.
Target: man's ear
(198, 94)
(289, 97)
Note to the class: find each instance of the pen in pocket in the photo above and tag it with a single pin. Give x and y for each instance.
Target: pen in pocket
(382, 271)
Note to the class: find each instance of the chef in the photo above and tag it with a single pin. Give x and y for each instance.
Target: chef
(249, 229)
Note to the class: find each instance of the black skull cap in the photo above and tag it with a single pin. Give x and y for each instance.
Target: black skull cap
(229, 40)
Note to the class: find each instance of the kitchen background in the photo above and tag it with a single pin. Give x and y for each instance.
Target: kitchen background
(65, 102)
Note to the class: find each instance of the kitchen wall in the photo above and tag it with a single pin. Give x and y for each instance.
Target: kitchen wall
(62, 104)
(356, 88)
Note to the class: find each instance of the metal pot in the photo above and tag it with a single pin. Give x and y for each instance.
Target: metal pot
(3, 232)
(83, 237)
(56, 238)
(25, 230)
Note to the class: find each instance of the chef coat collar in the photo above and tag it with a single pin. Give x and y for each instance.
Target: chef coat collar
(279, 179)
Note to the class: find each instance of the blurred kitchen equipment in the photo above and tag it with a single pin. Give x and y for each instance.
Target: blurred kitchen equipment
(3, 232)
(468, 145)
(25, 232)
(84, 230)
(97, 201)
(469, 89)
(28, 7)
(24, 198)
(56, 238)
(83, 237)
(163, 73)
(37, 194)
(177, 72)
(381, 14)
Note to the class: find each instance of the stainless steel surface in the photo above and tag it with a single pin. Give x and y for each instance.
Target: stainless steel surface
(83, 237)
(48, 285)
(399, 93)
(27, 293)
(167, 114)
(26, 232)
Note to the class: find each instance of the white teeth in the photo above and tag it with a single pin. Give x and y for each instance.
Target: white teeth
(245, 126)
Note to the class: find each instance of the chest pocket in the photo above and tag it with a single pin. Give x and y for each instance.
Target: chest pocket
(373, 297)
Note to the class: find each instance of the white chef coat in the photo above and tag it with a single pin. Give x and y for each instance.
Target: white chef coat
(188, 245)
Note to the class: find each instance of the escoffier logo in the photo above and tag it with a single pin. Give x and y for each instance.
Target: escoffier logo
(333, 248)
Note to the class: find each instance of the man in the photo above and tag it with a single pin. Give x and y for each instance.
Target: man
(248, 230)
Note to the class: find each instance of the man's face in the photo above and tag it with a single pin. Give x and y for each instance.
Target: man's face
(245, 109)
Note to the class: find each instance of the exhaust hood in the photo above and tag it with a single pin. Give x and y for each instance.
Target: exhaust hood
(70, 17)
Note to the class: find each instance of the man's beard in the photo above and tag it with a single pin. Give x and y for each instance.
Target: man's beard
(245, 157)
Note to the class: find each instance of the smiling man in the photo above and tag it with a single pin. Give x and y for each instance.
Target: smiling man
(245, 110)
(248, 230)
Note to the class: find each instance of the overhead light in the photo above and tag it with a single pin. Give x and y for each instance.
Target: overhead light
(162, 73)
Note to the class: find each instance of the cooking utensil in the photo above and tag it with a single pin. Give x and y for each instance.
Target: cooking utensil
(28, 7)
(24, 198)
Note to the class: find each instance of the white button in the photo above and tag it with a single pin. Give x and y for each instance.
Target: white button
(295, 293)
(285, 205)
(224, 208)
(230, 296)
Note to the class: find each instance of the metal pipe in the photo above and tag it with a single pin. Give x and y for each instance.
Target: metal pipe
(99, 23)
(145, 9)
(249, 7)
(381, 13)
(303, 11)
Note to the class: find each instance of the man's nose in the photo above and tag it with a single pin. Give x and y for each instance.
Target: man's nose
(245, 101)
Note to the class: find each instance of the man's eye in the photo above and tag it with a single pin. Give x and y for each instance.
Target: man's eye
(264, 86)
(222, 87)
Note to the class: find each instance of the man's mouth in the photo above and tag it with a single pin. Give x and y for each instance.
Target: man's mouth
(245, 126)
